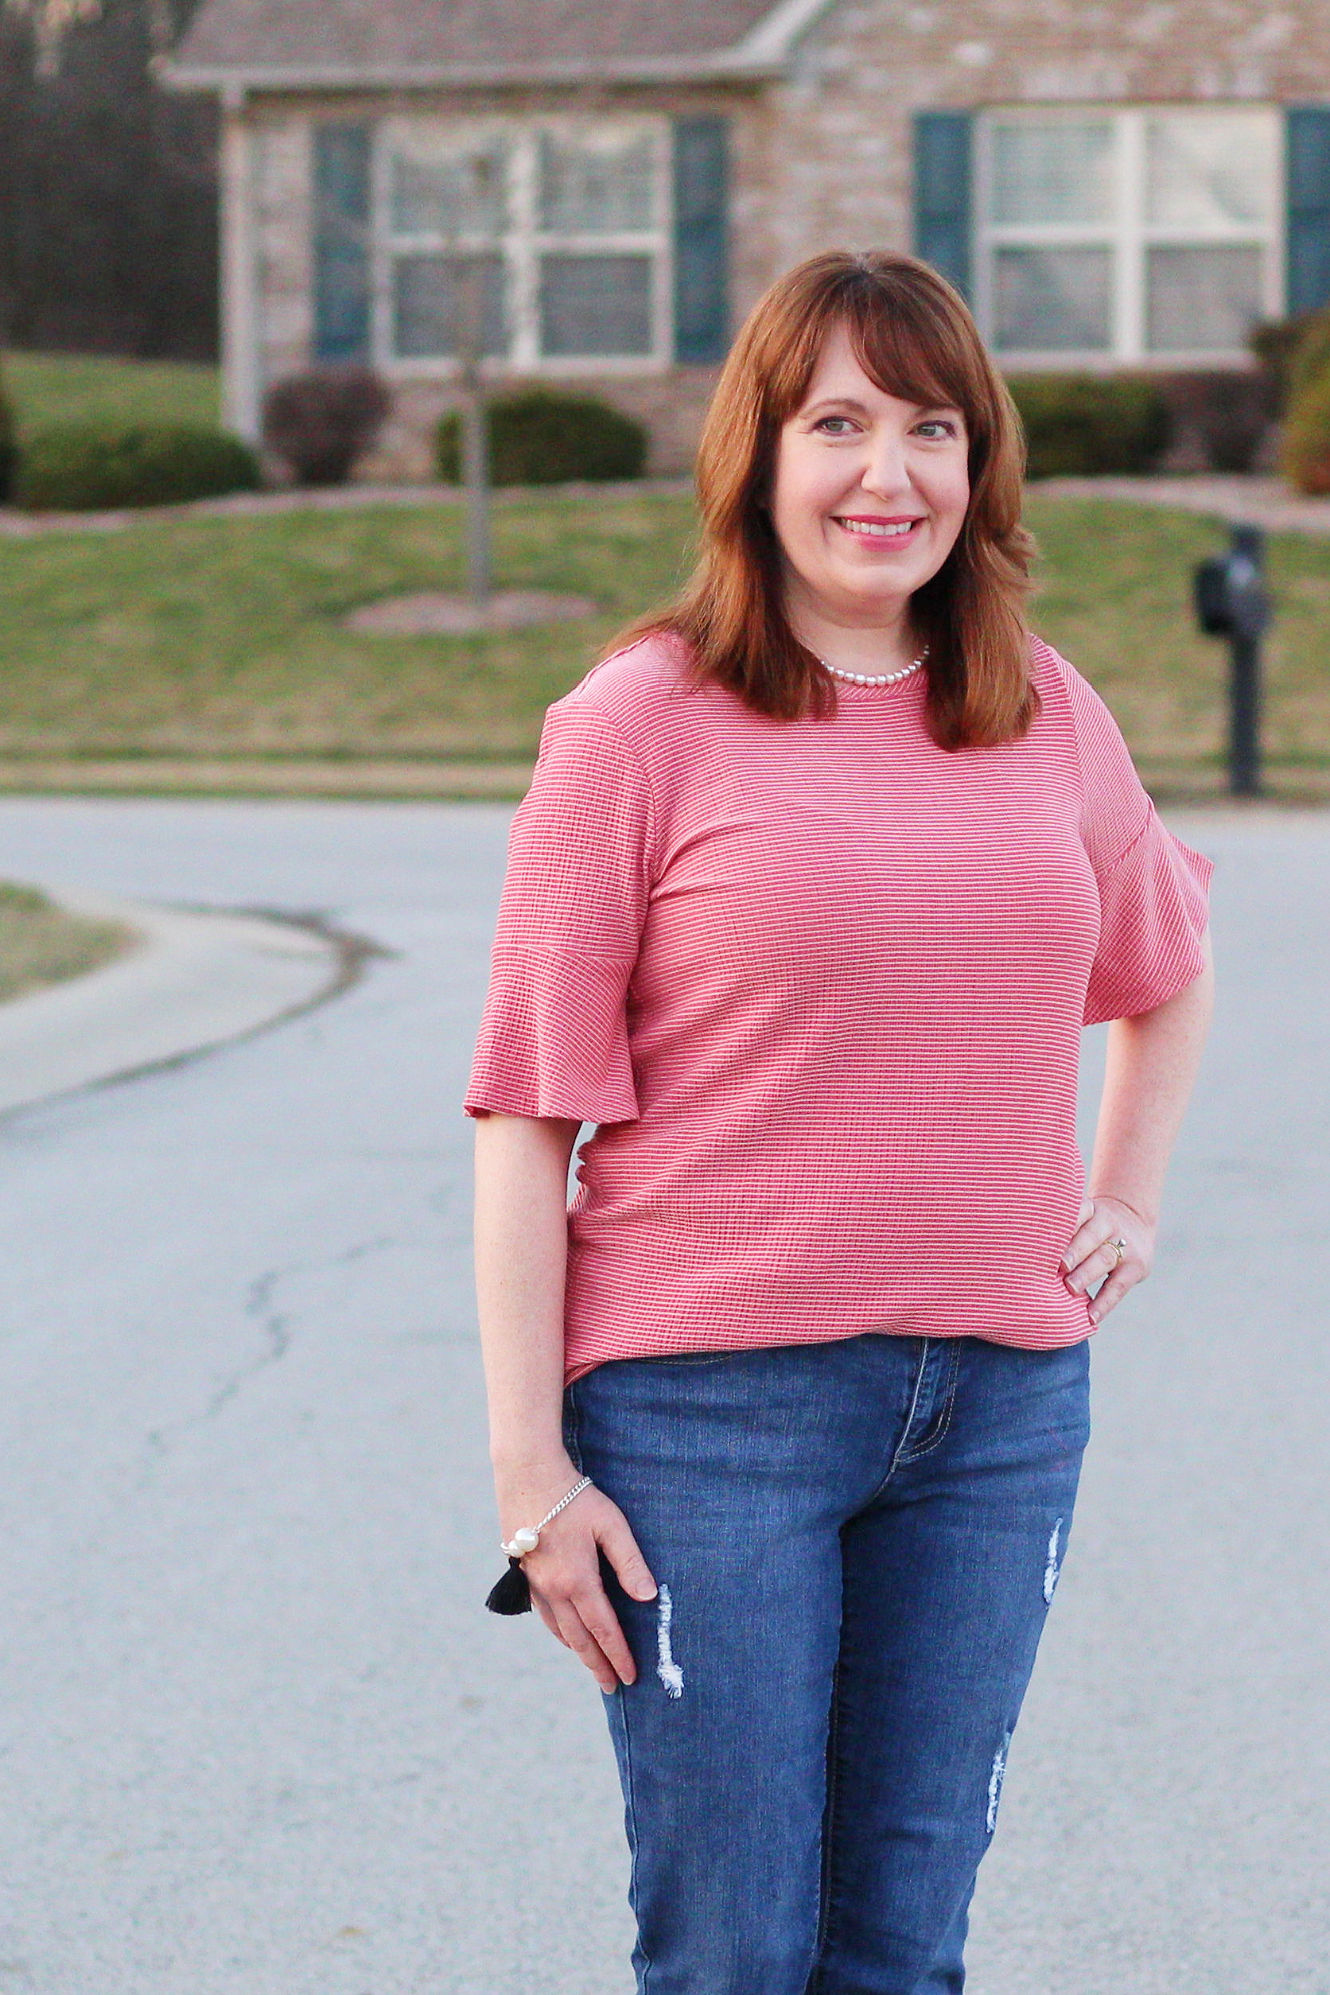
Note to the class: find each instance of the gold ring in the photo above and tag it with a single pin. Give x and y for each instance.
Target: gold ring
(1120, 1244)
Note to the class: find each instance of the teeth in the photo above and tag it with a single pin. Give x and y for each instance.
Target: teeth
(875, 530)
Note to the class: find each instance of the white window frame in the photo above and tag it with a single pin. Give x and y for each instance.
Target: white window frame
(523, 243)
(1127, 235)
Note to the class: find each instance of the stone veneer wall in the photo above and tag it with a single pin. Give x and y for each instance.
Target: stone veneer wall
(821, 158)
(276, 138)
(282, 239)
(833, 158)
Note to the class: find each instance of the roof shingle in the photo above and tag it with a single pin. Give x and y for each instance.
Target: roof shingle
(369, 37)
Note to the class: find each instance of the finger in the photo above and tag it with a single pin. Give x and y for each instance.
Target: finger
(622, 1551)
(584, 1646)
(1081, 1235)
(1110, 1295)
(1082, 1243)
(546, 1613)
(1101, 1259)
(602, 1624)
(1090, 1223)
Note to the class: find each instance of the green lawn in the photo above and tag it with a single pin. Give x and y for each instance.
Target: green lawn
(59, 387)
(1115, 597)
(225, 635)
(222, 637)
(41, 944)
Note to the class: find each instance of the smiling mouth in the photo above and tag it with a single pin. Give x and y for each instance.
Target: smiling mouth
(867, 529)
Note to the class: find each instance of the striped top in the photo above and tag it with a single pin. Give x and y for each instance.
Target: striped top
(821, 984)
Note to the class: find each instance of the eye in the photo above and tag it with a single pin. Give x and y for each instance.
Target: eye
(939, 426)
(834, 425)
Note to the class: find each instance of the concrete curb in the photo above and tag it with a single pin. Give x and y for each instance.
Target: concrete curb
(194, 979)
(1266, 502)
(335, 499)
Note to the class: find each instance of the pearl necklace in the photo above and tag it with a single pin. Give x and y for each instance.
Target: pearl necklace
(874, 678)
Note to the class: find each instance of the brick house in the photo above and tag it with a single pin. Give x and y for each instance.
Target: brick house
(1113, 183)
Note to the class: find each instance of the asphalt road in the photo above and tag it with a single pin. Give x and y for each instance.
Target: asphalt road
(257, 1736)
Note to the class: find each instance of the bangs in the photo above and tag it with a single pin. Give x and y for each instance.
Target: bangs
(908, 345)
(906, 360)
(912, 335)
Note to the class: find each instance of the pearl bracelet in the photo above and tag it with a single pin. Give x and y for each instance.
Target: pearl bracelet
(528, 1537)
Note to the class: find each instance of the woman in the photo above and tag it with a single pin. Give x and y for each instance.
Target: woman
(818, 878)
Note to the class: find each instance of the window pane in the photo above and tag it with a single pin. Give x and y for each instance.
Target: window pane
(450, 191)
(596, 185)
(1207, 298)
(595, 304)
(1206, 171)
(1052, 300)
(436, 299)
(1055, 172)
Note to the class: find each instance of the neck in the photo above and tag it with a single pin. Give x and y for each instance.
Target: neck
(884, 646)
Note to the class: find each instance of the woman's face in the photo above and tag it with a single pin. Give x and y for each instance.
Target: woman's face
(869, 494)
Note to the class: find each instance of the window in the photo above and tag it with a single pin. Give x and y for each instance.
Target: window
(1128, 235)
(534, 243)
(447, 219)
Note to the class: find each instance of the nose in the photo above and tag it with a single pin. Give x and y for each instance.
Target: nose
(887, 472)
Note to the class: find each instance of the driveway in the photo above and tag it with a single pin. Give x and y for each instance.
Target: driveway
(258, 1737)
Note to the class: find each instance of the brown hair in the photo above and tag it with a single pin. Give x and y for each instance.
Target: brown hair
(914, 337)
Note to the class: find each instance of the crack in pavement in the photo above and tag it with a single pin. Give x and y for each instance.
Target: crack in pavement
(276, 1340)
(275, 1333)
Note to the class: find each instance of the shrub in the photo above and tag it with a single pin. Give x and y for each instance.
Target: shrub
(320, 422)
(1305, 445)
(80, 466)
(1290, 350)
(1081, 424)
(538, 436)
(8, 452)
(1226, 414)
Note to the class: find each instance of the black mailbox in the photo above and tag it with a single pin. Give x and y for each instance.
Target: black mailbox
(1231, 597)
(1212, 606)
(1232, 601)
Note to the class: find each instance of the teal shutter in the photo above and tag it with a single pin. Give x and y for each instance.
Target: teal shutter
(341, 242)
(1307, 248)
(942, 201)
(701, 240)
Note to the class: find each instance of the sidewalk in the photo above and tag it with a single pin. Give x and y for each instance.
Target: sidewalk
(193, 979)
(326, 499)
(1266, 502)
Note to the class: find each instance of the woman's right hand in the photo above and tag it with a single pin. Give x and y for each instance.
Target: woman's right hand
(564, 1573)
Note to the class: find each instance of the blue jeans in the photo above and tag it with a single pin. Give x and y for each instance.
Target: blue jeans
(855, 1544)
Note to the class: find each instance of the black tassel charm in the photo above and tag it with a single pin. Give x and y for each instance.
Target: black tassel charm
(511, 1594)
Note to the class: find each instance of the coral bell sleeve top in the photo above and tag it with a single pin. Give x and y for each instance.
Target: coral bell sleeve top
(820, 985)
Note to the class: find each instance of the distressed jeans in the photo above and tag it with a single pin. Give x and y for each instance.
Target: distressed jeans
(855, 1544)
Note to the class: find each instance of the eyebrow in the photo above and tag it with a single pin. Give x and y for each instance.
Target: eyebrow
(839, 402)
(850, 402)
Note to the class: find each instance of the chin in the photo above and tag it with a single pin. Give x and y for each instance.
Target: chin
(875, 603)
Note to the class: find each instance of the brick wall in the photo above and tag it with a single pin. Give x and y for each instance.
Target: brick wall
(274, 141)
(821, 158)
(835, 139)
(282, 235)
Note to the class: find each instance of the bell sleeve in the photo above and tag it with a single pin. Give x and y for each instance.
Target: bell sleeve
(1153, 889)
(553, 1037)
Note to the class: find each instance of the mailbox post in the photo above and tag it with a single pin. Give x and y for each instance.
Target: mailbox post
(1232, 601)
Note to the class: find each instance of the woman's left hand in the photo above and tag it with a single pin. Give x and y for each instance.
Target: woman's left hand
(1090, 1257)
